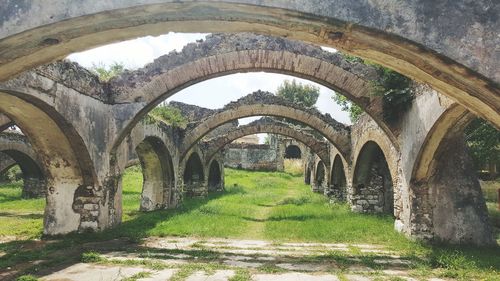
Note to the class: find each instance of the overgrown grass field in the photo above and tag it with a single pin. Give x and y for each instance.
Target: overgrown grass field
(255, 205)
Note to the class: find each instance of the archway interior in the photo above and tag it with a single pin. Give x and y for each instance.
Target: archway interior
(338, 180)
(293, 152)
(158, 174)
(34, 183)
(307, 179)
(193, 173)
(319, 179)
(214, 176)
(372, 177)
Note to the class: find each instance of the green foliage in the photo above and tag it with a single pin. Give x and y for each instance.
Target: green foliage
(347, 105)
(26, 278)
(12, 175)
(105, 73)
(395, 89)
(298, 93)
(167, 114)
(91, 256)
(483, 140)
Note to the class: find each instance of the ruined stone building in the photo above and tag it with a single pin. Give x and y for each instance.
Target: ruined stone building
(81, 133)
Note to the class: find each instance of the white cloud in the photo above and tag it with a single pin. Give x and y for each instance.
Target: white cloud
(137, 52)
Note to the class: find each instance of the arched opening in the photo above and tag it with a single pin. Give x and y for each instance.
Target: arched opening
(320, 177)
(338, 183)
(214, 177)
(307, 178)
(69, 170)
(194, 178)
(34, 182)
(372, 182)
(158, 174)
(404, 49)
(293, 152)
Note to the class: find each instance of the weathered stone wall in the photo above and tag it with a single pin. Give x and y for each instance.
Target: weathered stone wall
(255, 157)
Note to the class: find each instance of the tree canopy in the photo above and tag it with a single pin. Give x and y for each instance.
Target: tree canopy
(296, 92)
(483, 140)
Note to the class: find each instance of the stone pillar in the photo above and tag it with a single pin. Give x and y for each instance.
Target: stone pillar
(450, 206)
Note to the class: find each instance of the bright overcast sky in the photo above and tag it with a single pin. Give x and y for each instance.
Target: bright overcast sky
(213, 93)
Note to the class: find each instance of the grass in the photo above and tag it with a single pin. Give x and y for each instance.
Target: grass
(294, 167)
(19, 217)
(490, 193)
(255, 205)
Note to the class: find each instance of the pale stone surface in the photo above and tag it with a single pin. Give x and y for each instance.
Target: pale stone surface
(162, 275)
(219, 275)
(85, 272)
(294, 277)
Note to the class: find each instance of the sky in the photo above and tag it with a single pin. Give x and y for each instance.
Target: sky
(213, 93)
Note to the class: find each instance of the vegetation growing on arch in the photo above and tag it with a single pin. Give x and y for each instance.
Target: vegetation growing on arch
(105, 73)
(167, 114)
(395, 89)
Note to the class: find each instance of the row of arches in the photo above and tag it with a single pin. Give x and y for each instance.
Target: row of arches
(80, 165)
(370, 189)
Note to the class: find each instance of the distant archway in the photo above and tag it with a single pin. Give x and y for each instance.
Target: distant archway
(158, 174)
(320, 177)
(338, 182)
(194, 176)
(307, 179)
(372, 179)
(34, 182)
(293, 152)
(214, 176)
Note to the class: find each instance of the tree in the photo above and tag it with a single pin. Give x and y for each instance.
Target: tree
(296, 92)
(395, 89)
(105, 73)
(483, 140)
(347, 105)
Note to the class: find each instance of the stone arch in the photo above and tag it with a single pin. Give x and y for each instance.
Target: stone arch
(320, 177)
(372, 181)
(158, 174)
(271, 126)
(390, 37)
(34, 185)
(214, 176)
(205, 60)
(69, 170)
(293, 152)
(264, 103)
(194, 175)
(338, 179)
(443, 171)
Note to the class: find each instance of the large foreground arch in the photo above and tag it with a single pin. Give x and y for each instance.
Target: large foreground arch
(70, 176)
(264, 103)
(268, 125)
(390, 34)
